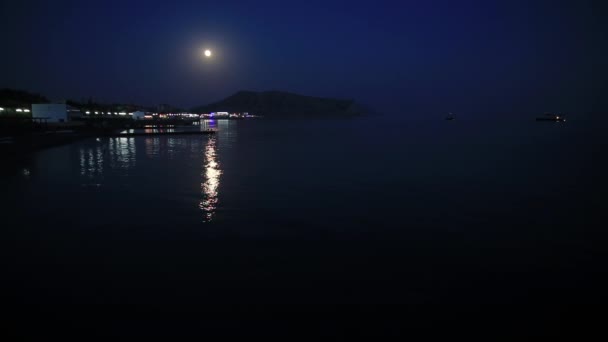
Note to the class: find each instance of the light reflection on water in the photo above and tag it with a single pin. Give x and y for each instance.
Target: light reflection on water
(157, 130)
(91, 160)
(122, 153)
(152, 146)
(149, 130)
(226, 130)
(116, 154)
(211, 181)
(100, 163)
(208, 124)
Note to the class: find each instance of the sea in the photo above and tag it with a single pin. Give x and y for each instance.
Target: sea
(376, 226)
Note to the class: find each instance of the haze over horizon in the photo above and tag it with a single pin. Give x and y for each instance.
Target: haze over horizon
(476, 57)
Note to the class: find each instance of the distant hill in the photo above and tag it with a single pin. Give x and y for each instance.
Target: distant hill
(283, 105)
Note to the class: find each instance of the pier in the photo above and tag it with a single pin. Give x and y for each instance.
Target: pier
(139, 134)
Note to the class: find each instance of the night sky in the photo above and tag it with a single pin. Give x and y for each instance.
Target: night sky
(401, 57)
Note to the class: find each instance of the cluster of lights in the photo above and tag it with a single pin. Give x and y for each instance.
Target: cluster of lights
(226, 115)
(108, 113)
(183, 114)
(191, 115)
(168, 115)
(151, 115)
(20, 110)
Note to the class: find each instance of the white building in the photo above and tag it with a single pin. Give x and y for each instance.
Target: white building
(139, 115)
(52, 111)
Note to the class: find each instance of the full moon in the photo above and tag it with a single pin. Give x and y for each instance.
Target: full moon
(207, 53)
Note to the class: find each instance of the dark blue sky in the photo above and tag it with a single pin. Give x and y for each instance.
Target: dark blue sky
(420, 57)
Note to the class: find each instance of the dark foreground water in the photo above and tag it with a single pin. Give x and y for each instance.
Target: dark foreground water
(368, 226)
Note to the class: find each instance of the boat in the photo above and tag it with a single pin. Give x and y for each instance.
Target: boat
(552, 117)
(450, 117)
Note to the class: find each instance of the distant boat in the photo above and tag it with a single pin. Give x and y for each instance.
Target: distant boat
(552, 117)
(450, 117)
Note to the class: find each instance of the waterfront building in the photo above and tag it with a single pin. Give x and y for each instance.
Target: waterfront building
(53, 112)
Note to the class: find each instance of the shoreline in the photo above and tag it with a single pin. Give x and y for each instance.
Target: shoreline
(33, 142)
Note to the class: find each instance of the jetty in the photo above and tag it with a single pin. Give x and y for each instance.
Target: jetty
(139, 134)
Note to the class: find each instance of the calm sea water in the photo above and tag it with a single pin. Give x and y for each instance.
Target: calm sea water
(462, 221)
